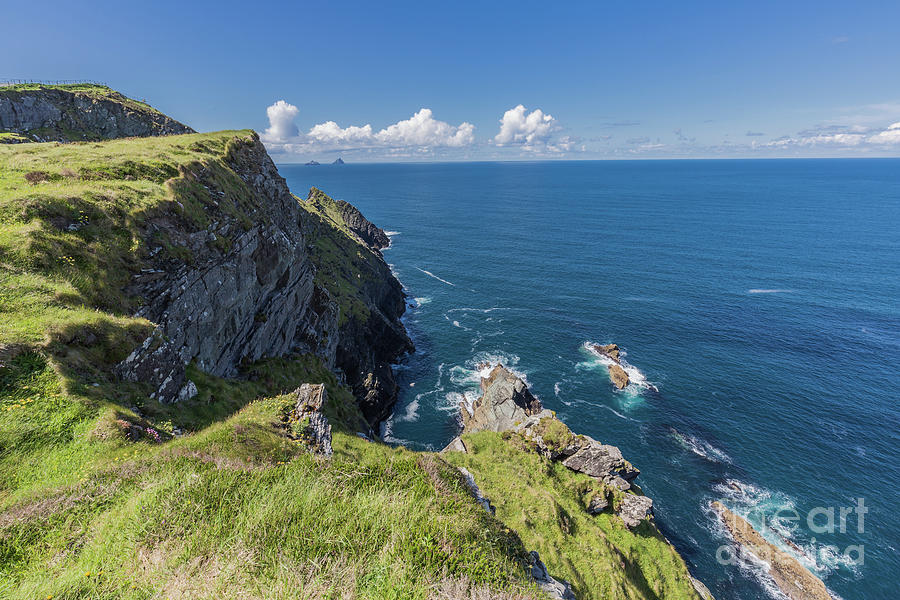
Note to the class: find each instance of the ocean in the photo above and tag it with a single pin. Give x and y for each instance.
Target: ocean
(761, 299)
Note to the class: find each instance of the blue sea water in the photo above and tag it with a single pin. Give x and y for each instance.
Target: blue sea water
(761, 298)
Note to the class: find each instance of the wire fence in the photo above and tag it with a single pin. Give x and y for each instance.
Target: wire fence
(9, 82)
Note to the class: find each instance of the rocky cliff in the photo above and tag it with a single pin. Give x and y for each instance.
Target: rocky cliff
(71, 113)
(256, 283)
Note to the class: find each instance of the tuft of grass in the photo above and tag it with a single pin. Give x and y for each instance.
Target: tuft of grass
(544, 502)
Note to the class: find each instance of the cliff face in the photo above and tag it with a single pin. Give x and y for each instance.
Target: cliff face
(345, 246)
(257, 285)
(77, 113)
(246, 291)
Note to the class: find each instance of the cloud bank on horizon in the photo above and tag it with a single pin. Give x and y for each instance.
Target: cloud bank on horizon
(537, 134)
(534, 133)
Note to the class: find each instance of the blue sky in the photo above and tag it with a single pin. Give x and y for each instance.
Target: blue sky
(594, 79)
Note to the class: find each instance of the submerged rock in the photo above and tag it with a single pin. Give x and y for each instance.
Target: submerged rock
(791, 577)
(618, 376)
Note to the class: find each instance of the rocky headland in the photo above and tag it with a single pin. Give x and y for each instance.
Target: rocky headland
(75, 113)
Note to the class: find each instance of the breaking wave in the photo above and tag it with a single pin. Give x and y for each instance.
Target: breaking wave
(700, 447)
(430, 274)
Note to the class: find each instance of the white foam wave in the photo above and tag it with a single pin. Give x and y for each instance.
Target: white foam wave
(771, 514)
(430, 274)
(466, 378)
(700, 447)
(391, 233)
(422, 301)
(769, 291)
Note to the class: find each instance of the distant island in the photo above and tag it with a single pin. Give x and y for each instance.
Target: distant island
(315, 163)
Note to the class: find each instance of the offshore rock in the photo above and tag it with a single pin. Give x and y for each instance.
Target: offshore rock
(505, 401)
(609, 350)
(55, 113)
(311, 425)
(618, 376)
(791, 577)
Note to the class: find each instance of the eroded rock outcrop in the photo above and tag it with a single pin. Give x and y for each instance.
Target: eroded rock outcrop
(79, 113)
(505, 401)
(506, 404)
(247, 291)
(791, 577)
(309, 424)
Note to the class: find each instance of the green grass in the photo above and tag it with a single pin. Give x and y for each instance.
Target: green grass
(545, 503)
(236, 509)
(71, 242)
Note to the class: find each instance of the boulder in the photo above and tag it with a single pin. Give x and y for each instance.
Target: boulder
(618, 376)
(634, 509)
(554, 588)
(455, 445)
(602, 461)
(598, 504)
(309, 424)
(505, 402)
(473, 488)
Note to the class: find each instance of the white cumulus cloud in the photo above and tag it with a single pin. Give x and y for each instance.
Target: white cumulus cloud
(281, 121)
(331, 132)
(521, 127)
(422, 129)
(891, 135)
(420, 132)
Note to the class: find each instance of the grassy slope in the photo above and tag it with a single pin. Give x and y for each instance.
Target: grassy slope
(544, 502)
(92, 504)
